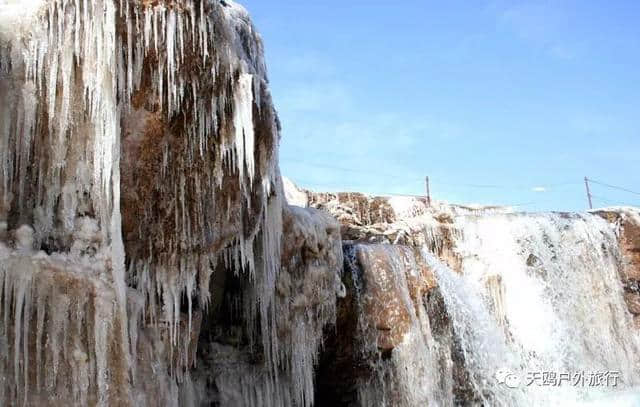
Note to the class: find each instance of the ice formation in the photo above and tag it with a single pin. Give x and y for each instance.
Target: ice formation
(503, 295)
(392, 317)
(139, 142)
(148, 255)
(306, 289)
(294, 195)
(61, 326)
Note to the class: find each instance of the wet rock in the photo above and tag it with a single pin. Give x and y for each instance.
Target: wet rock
(627, 222)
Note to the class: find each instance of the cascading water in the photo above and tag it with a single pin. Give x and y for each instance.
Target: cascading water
(538, 309)
(525, 309)
(392, 315)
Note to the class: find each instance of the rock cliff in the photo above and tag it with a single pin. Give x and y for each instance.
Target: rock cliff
(148, 255)
(458, 306)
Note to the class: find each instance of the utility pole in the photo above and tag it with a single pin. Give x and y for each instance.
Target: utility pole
(586, 184)
(428, 191)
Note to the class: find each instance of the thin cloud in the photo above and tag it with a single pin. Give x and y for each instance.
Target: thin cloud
(308, 64)
(314, 97)
(541, 24)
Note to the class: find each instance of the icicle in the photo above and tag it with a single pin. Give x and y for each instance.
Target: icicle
(81, 70)
(243, 122)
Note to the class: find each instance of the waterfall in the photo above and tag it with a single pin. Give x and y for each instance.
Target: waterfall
(538, 296)
(524, 309)
(148, 256)
(392, 315)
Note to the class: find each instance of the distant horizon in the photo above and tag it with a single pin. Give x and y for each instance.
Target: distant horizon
(499, 103)
(522, 208)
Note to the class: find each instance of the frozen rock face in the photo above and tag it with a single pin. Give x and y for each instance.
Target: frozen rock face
(61, 328)
(514, 295)
(356, 212)
(307, 286)
(387, 301)
(381, 353)
(368, 218)
(148, 255)
(627, 223)
(294, 195)
(142, 212)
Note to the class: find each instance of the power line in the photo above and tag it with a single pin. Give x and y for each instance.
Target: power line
(404, 178)
(505, 187)
(480, 186)
(352, 170)
(610, 202)
(543, 187)
(341, 191)
(614, 187)
(392, 194)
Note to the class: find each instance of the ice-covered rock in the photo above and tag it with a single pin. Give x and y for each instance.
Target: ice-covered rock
(294, 195)
(148, 255)
(156, 189)
(513, 292)
(61, 339)
(626, 220)
(307, 287)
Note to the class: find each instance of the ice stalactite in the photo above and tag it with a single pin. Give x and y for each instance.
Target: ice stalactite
(60, 325)
(64, 117)
(243, 123)
(307, 287)
(153, 120)
(155, 142)
(202, 134)
(48, 83)
(307, 283)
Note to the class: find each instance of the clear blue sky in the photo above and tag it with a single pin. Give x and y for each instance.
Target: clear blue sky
(374, 95)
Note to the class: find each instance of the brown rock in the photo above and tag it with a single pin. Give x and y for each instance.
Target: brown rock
(383, 299)
(386, 298)
(629, 226)
(633, 302)
(354, 209)
(372, 220)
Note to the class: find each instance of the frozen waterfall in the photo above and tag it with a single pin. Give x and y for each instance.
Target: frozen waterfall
(532, 312)
(148, 256)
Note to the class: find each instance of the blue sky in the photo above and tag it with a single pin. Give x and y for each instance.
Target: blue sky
(491, 99)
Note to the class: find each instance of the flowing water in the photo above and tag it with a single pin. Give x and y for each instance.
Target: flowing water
(536, 317)
(539, 310)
